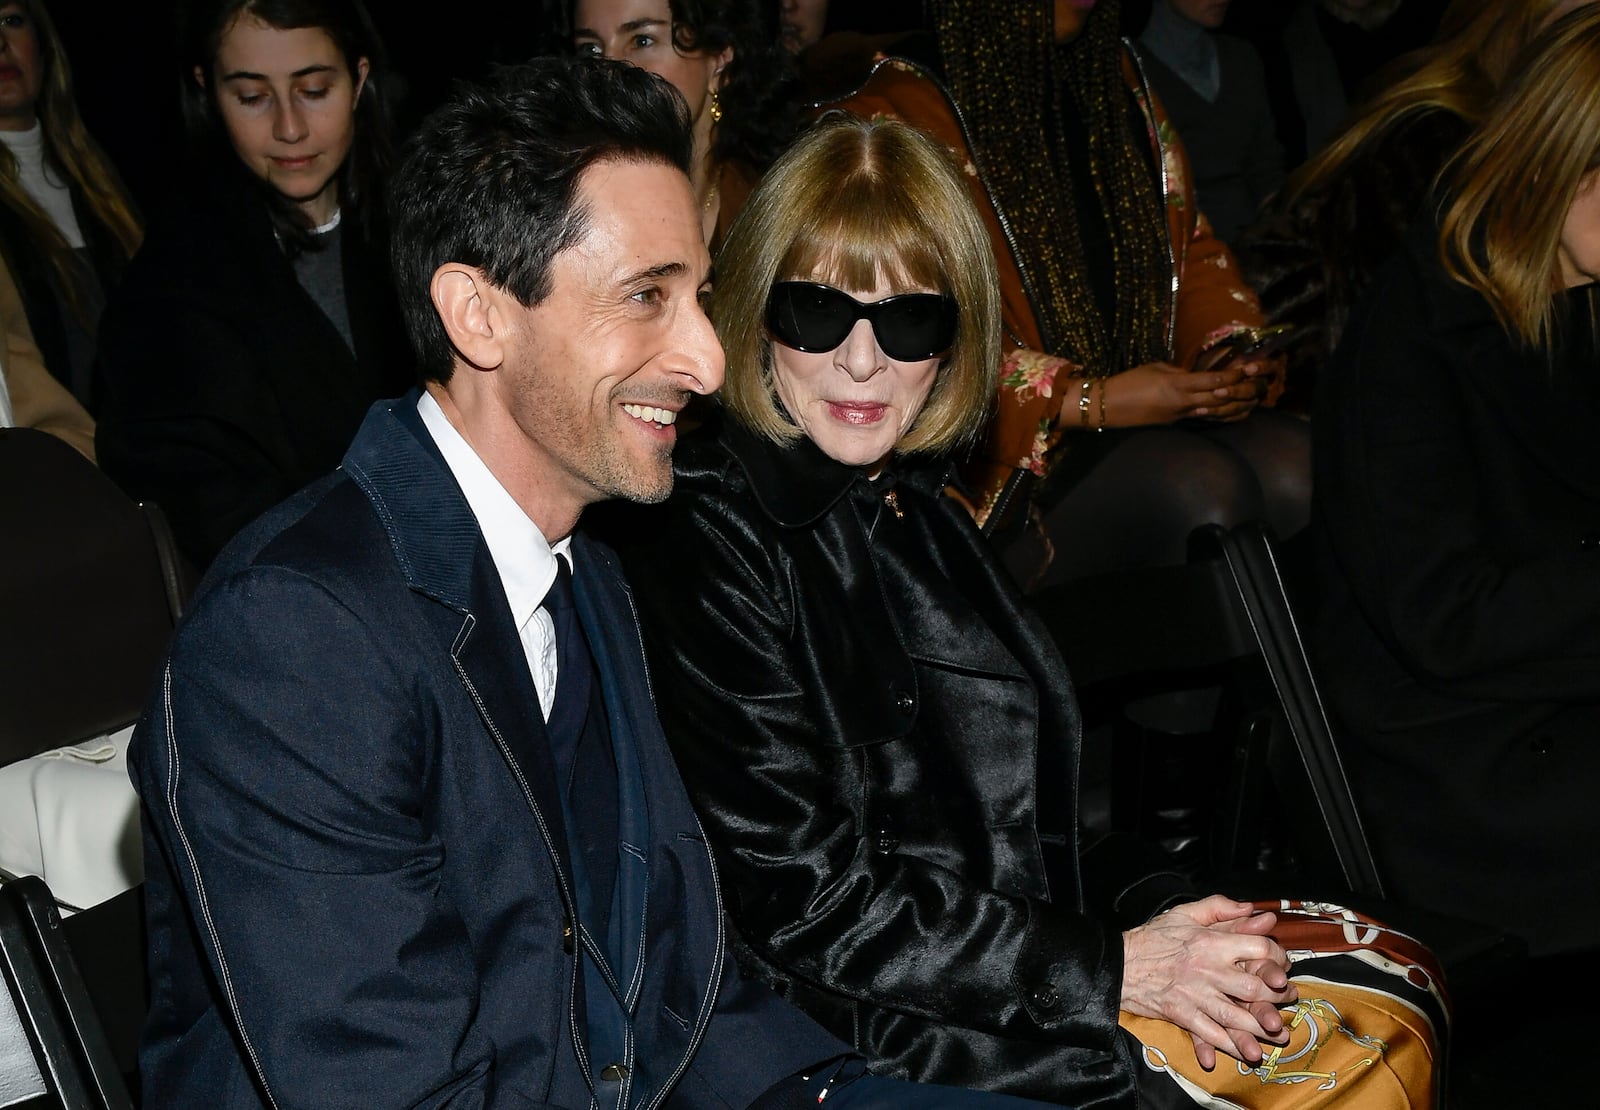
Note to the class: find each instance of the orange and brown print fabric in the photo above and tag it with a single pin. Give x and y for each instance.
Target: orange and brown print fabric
(1366, 1031)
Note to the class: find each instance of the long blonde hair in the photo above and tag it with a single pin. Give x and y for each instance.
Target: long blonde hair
(1457, 73)
(70, 150)
(1510, 187)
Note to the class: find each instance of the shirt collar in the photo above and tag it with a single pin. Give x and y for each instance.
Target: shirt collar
(524, 558)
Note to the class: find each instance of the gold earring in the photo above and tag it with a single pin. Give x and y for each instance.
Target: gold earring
(716, 107)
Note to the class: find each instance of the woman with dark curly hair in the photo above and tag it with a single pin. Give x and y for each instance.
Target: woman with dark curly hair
(726, 58)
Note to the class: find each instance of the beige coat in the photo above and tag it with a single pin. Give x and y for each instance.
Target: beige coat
(37, 399)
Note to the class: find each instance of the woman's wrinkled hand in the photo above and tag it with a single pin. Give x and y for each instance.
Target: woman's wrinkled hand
(1210, 968)
(1160, 393)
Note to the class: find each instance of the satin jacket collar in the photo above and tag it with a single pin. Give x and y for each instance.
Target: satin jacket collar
(797, 484)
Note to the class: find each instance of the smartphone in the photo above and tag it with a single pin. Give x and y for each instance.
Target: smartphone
(1247, 343)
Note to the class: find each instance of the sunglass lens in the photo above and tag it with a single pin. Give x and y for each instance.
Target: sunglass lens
(810, 317)
(914, 326)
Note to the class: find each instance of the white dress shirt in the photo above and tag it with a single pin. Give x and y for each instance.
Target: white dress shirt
(524, 559)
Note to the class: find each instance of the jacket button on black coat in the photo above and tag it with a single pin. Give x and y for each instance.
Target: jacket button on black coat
(904, 702)
(884, 841)
(1044, 998)
(566, 935)
(614, 1073)
(1542, 744)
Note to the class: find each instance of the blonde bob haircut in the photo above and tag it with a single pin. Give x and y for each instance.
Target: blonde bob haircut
(851, 199)
(1510, 187)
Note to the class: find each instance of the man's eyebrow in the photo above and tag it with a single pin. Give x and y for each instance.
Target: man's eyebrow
(246, 75)
(665, 270)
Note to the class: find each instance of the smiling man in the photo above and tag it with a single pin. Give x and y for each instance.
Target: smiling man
(413, 835)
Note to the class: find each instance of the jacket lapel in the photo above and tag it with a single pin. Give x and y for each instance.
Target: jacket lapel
(438, 544)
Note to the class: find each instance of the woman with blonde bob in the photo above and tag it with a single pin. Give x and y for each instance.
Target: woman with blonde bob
(880, 738)
(806, 224)
(1458, 497)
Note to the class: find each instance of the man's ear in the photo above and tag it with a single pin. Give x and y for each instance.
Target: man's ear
(466, 303)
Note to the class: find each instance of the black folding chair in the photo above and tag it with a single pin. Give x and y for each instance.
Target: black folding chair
(1219, 621)
(53, 1049)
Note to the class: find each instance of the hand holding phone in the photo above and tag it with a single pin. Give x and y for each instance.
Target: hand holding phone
(1245, 342)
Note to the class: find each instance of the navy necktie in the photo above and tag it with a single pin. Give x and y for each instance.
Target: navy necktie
(570, 704)
(580, 743)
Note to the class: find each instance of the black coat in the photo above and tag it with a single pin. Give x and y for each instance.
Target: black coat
(883, 747)
(1458, 505)
(224, 387)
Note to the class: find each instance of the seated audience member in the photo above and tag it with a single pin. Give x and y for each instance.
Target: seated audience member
(67, 225)
(414, 836)
(1112, 283)
(1456, 509)
(1215, 94)
(258, 322)
(726, 58)
(29, 396)
(880, 738)
(1313, 252)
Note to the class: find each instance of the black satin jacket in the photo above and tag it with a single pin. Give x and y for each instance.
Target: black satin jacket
(883, 745)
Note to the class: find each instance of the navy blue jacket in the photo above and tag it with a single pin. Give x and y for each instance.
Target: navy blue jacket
(357, 873)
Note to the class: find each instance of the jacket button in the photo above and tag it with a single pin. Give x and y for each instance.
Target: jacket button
(566, 935)
(905, 703)
(1044, 997)
(614, 1073)
(1542, 745)
(884, 841)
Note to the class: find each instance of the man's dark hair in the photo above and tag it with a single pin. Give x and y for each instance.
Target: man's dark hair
(490, 178)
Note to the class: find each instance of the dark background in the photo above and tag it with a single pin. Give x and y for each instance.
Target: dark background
(125, 66)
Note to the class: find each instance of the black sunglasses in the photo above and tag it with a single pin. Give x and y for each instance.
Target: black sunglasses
(812, 317)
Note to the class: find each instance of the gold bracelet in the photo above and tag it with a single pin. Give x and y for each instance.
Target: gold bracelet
(1102, 425)
(1083, 401)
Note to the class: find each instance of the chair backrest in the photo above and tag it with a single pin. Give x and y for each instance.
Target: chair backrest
(62, 1057)
(1320, 781)
(90, 588)
(1223, 616)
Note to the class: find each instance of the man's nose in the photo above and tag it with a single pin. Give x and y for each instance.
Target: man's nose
(701, 362)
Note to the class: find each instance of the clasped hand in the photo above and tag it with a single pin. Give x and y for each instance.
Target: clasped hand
(1210, 968)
